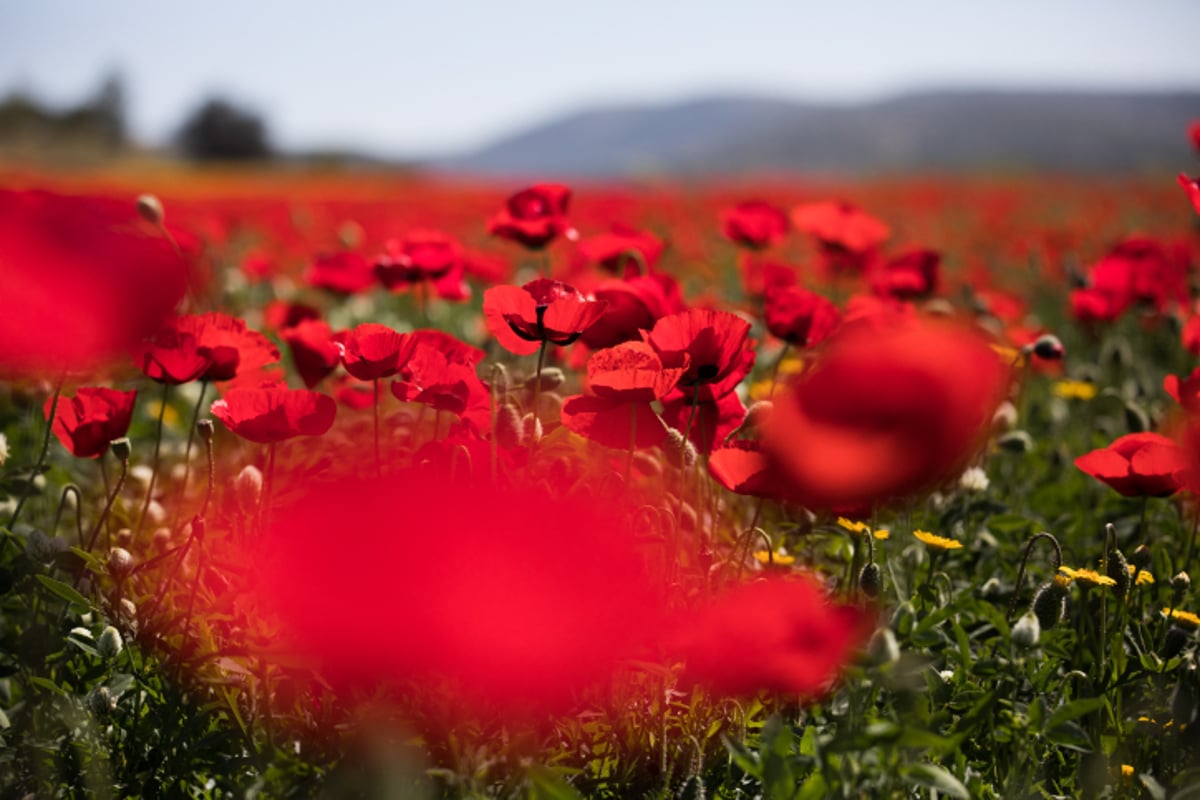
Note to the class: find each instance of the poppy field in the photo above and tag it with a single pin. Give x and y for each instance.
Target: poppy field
(321, 484)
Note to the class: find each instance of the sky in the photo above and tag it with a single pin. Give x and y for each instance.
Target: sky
(407, 79)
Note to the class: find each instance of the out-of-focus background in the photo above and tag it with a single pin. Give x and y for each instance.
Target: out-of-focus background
(615, 89)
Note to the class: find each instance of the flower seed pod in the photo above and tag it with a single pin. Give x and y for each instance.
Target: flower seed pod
(1026, 631)
(681, 453)
(101, 702)
(110, 643)
(992, 589)
(1049, 604)
(870, 579)
(121, 448)
(552, 378)
(1016, 441)
(248, 488)
(150, 208)
(757, 413)
(1141, 557)
(3, 449)
(205, 428)
(508, 431)
(1181, 582)
(1048, 347)
(120, 562)
(1118, 570)
(1173, 644)
(1005, 418)
(531, 428)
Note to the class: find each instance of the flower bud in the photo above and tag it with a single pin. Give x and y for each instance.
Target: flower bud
(1141, 557)
(1049, 604)
(508, 431)
(1015, 442)
(882, 647)
(1005, 418)
(1048, 347)
(973, 479)
(150, 209)
(247, 488)
(552, 378)
(125, 537)
(1181, 582)
(100, 702)
(680, 452)
(162, 539)
(992, 589)
(1173, 644)
(120, 561)
(758, 413)
(870, 580)
(1118, 570)
(531, 428)
(1026, 631)
(121, 448)
(3, 449)
(205, 428)
(110, 643)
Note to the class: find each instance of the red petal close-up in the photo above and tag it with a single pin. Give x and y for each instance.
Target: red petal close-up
(371, 351)
(1137, 465)
(754, 224)
(272, 414)
(713, 347)
(82, 282)
(87, 422)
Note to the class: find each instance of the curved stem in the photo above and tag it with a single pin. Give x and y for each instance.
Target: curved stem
(1058, 559)
(62, 501)
(162, 411)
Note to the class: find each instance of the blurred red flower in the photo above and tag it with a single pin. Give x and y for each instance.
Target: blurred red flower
(1191, 187)
(314, 350)
(83, 281)
(272, 414)
(534, 217)
(632, 304)
(743, 468)
(345, 272)
(424, 256)
(87, 422)
(523, 317)
(371, 351)
(623, 251)
(754, 224)
(1137, 465)
(800, 317)
(911, 275)
(781, 634)
(713, 347)
(172, 356)
(1185, 391)
(847, 234)
(887, 409)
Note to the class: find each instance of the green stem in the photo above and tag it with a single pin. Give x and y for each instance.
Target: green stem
(162, 411)
(537, 389)
(41, 459)
(187, 453)
(112, 498)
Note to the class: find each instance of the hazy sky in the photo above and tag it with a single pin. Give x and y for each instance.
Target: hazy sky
(404, 78)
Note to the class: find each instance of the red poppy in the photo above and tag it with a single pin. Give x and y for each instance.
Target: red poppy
(886, 410)
(800, 317)
(909, 276)
(623, 251)
(232, 349)
(314, 350)
(272, 414)
(1190, 335)
(424, 256)
(754, 224)
(779, 634)
(534, 217)
(83, 281)
(624, 381)
(522, 318)
(1194, 135)
(743, 468)
(633, 304)
(172, 357)
(1191, 187)
(345, 272)
(1136, 465)
(441, 373)
(1185, 391)
(87, 422)
(371, 351)
(508, 608)
(712, 421)
(1093, 305)
(844, 231)
(760, 276)
(713, 346)
(280, 315)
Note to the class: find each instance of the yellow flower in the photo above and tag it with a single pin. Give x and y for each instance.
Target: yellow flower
(1010, 355)
(1062, 581)
(1126, 771)
(1143, 578)
(882, 534)
(852, 526)
(1087, 576)
(1074, 390)
(1184, 617)
(937, 542)
(776, 559)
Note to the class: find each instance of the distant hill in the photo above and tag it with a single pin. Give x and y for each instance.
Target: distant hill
(935, 130)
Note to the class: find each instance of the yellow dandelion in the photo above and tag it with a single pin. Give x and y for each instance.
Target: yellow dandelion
(1143, 578)
(1062, 581)
(1183, 617)
(1089, 576)
(852, 526)
(937, 542)
(1074, 390)
(1148, 720)
(776, 559)
(1126, 771)
(882, 534)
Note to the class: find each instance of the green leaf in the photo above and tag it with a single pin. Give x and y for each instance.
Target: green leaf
(1156, 790)
(1070, 736)
(814, 788)
(546, 784)
(64, 591)
(932, 776)
(1074, 710)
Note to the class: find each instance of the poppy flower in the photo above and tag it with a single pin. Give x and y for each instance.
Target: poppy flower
(231, 348)
(800, 317)
(760, 276)
(754, 224)
(1140, 270)
(424, 256)
(1136, 465)
(315, 352)
(172, 357)
(1185, 391)
(713, 346)
(909, 276)
(884, 411)
(372, 351)
(280, 315)
(624, 381)
(344, 272)
(1191, 187)
(780, 634)
(87, 422)
(441, 374)
(522, 318)
(1093, 305)
(631, 305)
(622, 251)
(1194, 135)
(743, 468)
(846, 233)
(712, 421)
(534, 217)
(271, 414)
(83, 282)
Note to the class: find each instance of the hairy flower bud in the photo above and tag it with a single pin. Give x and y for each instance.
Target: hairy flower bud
(150, 208)
(870, 579)
(680, 452)
(1049, 604)
(1048, 347)
(205, 429)
(110, 643)
(1181, 582)
(1118, 570)
(121, 448)
(1026, 631)
(1174, 642)
(120, 561)
(247, 488)
(508, 431)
